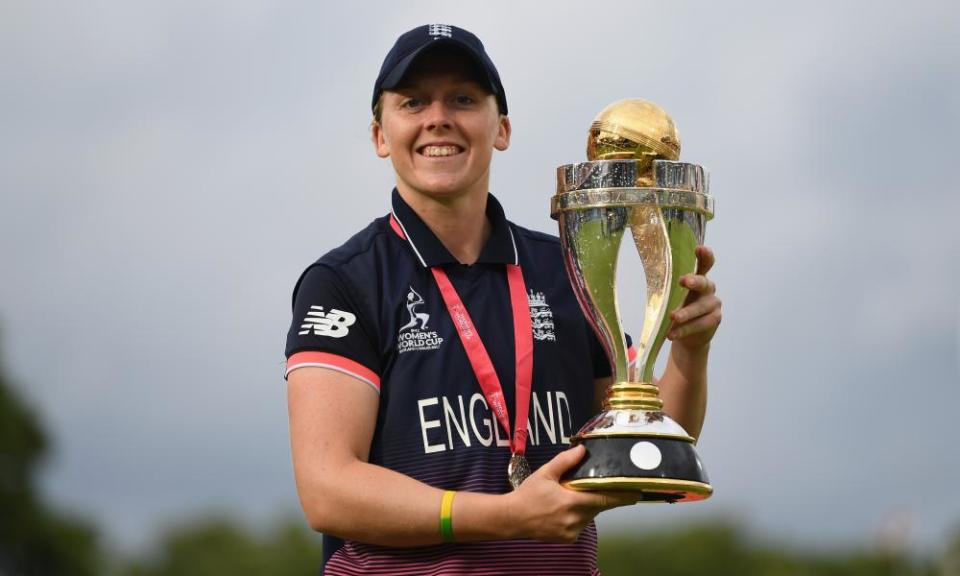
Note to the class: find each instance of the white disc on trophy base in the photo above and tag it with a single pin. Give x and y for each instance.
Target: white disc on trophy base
(645, 455)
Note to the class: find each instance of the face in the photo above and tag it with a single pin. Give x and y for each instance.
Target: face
(439, 130)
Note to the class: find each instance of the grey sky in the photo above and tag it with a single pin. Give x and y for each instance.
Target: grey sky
(168, 169)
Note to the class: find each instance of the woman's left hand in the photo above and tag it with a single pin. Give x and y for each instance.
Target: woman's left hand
(695, 323)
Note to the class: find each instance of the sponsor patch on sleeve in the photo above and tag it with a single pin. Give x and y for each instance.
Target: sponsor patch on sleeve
(335, 323)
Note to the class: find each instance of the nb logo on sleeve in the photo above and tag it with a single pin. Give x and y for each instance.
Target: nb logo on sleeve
(333, 323)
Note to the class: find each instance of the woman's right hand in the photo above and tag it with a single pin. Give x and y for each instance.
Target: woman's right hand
(543, 509)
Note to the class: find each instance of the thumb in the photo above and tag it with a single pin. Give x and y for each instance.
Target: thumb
(562, 462)
(705, 259)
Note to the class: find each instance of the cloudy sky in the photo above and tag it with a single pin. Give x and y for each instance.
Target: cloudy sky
(168, 169)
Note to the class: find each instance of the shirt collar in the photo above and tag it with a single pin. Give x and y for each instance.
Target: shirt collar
(499, 249)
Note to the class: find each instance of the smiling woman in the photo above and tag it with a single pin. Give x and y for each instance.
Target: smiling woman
(439, 128)
(414, 371)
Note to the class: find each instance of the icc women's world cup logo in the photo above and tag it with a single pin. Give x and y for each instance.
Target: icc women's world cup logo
(414, 300)
(414, 335)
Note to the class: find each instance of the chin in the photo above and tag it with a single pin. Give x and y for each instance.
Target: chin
(444, 189)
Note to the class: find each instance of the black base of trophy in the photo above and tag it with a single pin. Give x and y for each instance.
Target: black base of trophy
(677, 475)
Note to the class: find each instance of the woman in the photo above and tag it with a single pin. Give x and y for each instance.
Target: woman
(415, 379)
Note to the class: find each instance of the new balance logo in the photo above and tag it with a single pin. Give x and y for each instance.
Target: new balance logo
(333, 323)
(437, 30)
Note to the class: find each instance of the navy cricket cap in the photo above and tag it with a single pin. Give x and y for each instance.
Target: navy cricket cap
(411, 45)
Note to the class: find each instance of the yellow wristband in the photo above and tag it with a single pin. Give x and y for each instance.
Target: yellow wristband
(446, 516)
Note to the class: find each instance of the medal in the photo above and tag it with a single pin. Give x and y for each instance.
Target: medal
(517, 470)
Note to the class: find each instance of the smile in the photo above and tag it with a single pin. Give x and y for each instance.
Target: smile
(438, 151)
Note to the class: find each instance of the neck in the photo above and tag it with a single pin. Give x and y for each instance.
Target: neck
(460, 223)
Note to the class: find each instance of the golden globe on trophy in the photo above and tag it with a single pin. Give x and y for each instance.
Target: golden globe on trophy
(633, 181)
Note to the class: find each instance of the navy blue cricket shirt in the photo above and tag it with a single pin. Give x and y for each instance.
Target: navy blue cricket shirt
(371, 309)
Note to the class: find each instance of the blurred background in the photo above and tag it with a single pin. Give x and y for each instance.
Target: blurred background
(168, 169)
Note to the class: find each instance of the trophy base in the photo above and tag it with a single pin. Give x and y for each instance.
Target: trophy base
(639, 451)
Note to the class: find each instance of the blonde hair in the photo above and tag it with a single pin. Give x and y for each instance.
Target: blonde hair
(378, 110)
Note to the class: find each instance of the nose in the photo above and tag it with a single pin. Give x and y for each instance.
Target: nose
(437, 115)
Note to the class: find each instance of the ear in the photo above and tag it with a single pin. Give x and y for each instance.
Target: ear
(380, 145)
(503, 134)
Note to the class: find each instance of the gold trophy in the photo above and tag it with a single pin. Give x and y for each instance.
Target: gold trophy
(633, 180)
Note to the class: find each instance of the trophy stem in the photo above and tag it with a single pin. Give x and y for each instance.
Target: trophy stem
(633, 395)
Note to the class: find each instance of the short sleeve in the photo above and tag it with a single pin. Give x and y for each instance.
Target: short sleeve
(331, 328)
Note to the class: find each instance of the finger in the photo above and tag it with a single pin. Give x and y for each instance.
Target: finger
(698, 283)
(606, 500)
(562, 462)
(591, 503)
(620, 498)
(696, 308)
(705, 259)
(702, 324)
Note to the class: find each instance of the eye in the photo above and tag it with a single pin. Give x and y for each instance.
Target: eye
(413, 104)
(464, 100)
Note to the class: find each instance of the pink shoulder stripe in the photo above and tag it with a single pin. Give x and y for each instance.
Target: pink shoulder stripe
(396, 226)
(632, 354)
(333, 362)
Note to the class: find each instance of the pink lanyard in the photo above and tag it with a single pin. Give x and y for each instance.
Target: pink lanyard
(480, 360)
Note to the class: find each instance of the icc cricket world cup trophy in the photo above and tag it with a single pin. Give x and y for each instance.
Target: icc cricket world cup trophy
(633, 180)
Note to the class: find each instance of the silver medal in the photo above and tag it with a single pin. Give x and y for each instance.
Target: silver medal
(517, 470)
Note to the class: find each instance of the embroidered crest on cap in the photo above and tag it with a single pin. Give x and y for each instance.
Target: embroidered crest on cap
(438, 30)
(333, 323)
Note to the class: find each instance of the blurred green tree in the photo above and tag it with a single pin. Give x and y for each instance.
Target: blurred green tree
(33, 538)
(950, 563)
(721, 549)
(212, 547)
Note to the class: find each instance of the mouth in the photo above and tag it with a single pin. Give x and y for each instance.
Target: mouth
(440, 150)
